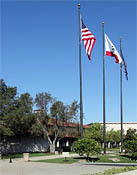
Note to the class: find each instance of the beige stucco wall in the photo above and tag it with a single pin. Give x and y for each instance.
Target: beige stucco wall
(117, 126)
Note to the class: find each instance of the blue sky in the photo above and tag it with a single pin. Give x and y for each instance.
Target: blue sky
(39, 53)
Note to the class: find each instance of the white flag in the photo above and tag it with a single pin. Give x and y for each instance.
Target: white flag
(110, 50)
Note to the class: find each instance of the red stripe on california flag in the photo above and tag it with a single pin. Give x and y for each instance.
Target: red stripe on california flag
(109, 53)
(113, 55)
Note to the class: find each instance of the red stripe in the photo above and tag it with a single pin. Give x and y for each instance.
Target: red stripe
(92, 47)
(109, 53)
(89, 46)
(87, 50)
(89, 34)
(89, 55)
(86, 44)
(113, 55)
(85, 30)
(88, 38)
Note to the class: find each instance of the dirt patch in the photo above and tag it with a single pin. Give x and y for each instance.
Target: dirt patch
(114, 159)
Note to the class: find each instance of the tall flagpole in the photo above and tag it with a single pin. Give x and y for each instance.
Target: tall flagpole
(80, 71)
(121, 105)
(104, 117)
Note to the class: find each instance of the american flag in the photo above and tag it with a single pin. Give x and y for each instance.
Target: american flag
(124, 65)
(88, 38)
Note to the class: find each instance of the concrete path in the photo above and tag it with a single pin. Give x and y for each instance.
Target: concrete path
(114, 164)
(19, 167)
(36, 168)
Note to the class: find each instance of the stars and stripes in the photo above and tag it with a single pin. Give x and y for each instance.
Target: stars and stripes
(124, 64)
(88, 38)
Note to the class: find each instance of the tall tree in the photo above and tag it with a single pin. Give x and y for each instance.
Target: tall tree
(50, 120)
(15, 112)
(73, 112)
(130, 143)
(20, 119)
(43, 100)
(113, 137)
(95, 132)
(7, 102)
(41, 126)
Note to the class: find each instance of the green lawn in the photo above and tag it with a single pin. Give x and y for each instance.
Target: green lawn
(59, 160)
(115, 158)
(113, 149)
(30, 155)
(108, 158)
(115, 171)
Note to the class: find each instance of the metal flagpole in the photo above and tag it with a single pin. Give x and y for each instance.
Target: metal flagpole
(80, 70)
(104, 117)
(121, 105)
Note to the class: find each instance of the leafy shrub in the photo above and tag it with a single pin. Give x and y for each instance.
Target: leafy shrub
(86, 146)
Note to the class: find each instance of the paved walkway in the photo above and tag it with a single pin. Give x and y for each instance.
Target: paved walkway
(37, 168)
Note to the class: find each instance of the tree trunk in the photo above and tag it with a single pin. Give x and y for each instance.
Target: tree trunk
(52, 147)
(52, 143)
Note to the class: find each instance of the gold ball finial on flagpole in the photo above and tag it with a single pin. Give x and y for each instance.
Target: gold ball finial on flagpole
(103, 22)
(78, 5)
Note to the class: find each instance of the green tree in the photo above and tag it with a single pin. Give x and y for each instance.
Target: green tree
(15, 112)
(43, 100)
(113, 136)
(130, 143)
(95, 132)
(21, 118)
(7, 102)
(41, 125)
(86, 146)
(50, 121)
(73, 112)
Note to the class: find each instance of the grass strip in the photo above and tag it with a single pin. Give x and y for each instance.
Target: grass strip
(20, 155)
(59, 160)
(116, 171)
(116, 158)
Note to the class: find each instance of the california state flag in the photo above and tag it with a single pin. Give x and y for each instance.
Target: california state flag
(110, 50)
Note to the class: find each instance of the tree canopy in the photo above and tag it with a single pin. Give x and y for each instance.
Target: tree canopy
(15, 111)
(50, 120)
(95, 132)
(17, 117)
(130, 143)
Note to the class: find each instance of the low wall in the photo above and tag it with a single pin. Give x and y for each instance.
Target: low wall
(24, 144)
